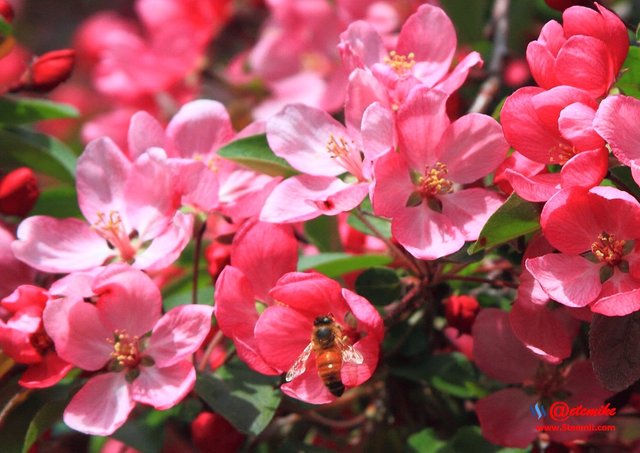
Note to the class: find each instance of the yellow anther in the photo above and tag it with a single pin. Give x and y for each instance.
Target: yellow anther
(433, 182)
(608, 249)
(401, 64)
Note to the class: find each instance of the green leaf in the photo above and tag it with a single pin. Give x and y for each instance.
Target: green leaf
(30, 110)
(383, 226)
(43, 420)
(336, 264)
(5, 28)
(323, 233)
(245, 398)
(380, 285)
(516, 217)
(60, 202)
(41, 152)
(179, 292)
(141, 435)
(629, 81)
(425, 441)
(623, 175)
(254, 153)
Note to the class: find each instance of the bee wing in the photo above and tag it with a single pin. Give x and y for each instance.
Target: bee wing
(350, 355)
(299, 366)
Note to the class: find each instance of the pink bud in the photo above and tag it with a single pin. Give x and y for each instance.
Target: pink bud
(18, 192)
(211, 432)
(461, 312)
(6, 11)
(51, 69)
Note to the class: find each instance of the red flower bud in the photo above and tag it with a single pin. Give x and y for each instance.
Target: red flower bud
(212, 433)
(18, 192)
(49, 70)
(218, 256)
(561, 5)
(6, 11)
(460, 312)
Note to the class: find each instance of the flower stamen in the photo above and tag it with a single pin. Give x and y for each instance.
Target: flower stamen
(125, 349)
(607, 249)
(433, 182)
(112, 229)
(401, 64)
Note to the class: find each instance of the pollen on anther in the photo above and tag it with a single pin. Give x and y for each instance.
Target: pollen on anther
(607, 249)
(401, 64)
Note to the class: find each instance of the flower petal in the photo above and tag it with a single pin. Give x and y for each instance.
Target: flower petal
(165, 387)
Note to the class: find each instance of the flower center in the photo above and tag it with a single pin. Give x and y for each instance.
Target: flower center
(346, 155)
(433, 182)
(112, 230)
(126, 350)
(561, 153)
(40, 340)
(401, 64)
(607, 249)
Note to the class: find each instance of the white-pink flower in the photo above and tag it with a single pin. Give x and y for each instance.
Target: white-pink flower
(145, 357)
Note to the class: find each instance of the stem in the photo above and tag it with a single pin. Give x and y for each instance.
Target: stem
(12, 403)
(499, 283)
(196, 262)
(392, 247)
(215, 341)
(500, 25)
(337, 424)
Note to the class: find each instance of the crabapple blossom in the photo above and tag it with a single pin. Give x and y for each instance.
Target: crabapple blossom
(284, 330)
(553, 127)
(505, 416)
(14, 272)
(23, 337)
(585, 52)
(596, 233)
(420, 186)
(143, 356)
(260, 254)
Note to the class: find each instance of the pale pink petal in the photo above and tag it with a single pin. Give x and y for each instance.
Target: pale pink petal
(472, 147)
(457, 77)
(179, 333)
(102, 171)
(198, 184)
(506, 419)
(546, 331)
(425, 233)
(200, 128)
(469, 209)
(101, 406)
(620, 304)
(392, 184)
(164, 387)
(308, 386)
(569, 279)
(434, 55)
(497, 351)
(57, 245)
(305, 197)
(422, 120)
(616, 122)
(55, 318)
(300, 135)
(264, 252)
(127, 300)
(14, 272)
(144, 132)
(363, 90)
(534, 188)
(360, 46)
(585, 169)
(165, 248)
(87, 342)
(576, 125)
(46, 373)
(243, 193)
(282, 333)
(236, 316)
(76, 285)
(378, 135)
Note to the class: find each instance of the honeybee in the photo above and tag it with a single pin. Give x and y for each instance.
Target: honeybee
(331, 349)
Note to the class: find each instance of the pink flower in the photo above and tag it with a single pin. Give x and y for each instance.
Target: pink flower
(586, 52)
(421, 186)
(260, 254)
(13, 271)
(23, 338)
(596, 233)
(320, 147)
(553, 127)
(285, 330)
(505, 416)
(615, 122)
(131, 210)
(145, 357)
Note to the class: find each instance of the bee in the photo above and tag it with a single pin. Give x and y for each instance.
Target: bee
(331, 349)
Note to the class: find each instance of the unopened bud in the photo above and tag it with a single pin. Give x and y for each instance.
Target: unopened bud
(18, 192)
(49, 70)
(6, 11)
(461, 312)
(561, 5)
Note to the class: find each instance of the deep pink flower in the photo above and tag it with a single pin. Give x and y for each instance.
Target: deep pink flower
(505, 416)
(131, 210)
(616, 122)
(585, 52)
(23, 338)
(145, 357)
(421, 186)
(284, 332)
(596, 232)
(553, 127)
(260, 254)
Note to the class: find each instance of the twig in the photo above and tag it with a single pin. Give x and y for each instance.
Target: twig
(215, 341)
(336, 424)
(15, 400)
(488, 90)
(196, 262)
